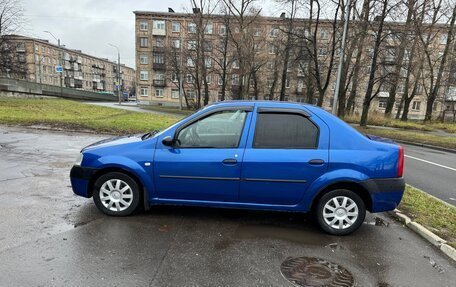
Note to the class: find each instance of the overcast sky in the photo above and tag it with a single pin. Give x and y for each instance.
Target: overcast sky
(89, 25)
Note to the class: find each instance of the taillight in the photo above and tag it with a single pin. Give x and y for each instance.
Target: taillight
(400, 162)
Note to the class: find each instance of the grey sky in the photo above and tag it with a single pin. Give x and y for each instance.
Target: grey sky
(89, 25)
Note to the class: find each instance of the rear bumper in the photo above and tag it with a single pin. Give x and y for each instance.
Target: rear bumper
(80, 177)
(386, 193)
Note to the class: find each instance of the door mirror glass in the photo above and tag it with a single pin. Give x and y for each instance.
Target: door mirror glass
(218, 130)
(168, 141)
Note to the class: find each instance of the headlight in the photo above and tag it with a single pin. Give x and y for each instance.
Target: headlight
(79, 159)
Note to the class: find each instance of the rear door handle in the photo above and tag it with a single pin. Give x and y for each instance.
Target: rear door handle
(229, 161)
(316, 161)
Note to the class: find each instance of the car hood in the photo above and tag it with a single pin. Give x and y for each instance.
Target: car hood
(118, 140)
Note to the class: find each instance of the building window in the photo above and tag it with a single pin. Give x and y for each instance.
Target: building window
(159, 24)
(416, 105)
(208, 62)
(235, 80)
(191, 45)
(207, 46)
(158, 58)
(175, 43)
(443, 39)
(143, 26)
(323, 34)
(190, 79)
(176, 27)
(382, 104)
(220, 80)
(274, 32)
(257, 32)
(235, 64)
(159, 93)
(143, 59)
(159, 42)
(144, 91)
(287, 83)
(191, 28)
(175, 78)
(272, 49)
(222, 30)
(208, 29)
(323, 51)
(190, 62)
(144, 75)
(208, 79)
(174, 94)
(143, 42)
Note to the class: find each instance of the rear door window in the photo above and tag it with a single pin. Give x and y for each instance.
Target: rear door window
(285, 131)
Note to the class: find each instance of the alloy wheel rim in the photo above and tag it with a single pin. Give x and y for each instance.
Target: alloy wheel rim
(116, 195)
(340, 212)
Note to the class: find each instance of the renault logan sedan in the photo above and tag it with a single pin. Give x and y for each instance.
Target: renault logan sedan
(254, 155)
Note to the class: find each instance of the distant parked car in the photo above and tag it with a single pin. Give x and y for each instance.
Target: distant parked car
(253, 155)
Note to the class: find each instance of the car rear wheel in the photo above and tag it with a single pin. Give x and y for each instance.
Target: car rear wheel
(340, 212)
(116, 194)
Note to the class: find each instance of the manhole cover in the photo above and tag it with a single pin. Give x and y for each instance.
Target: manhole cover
(315, 272)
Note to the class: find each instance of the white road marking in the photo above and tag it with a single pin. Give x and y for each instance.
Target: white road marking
(430, 162)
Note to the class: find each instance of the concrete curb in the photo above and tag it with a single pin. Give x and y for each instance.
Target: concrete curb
(426, 146)
(431, 237)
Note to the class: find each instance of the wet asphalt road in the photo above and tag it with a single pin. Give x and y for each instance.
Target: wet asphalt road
(49, 237)
(433, 171)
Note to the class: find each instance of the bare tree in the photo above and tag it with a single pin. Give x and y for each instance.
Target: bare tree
(11, 21)
(435, 89)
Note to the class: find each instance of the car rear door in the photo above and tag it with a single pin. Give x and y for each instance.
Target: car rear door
(205, 164)
(287, 149)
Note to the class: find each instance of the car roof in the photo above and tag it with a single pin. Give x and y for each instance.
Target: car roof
(260, 103)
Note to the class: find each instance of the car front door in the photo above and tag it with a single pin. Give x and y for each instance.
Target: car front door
(205, 161)
(286, 151)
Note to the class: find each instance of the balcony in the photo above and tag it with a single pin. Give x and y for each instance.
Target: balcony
(159, 66)
(159, 83)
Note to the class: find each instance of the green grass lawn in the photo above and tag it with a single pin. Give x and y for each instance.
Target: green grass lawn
(379, 120)
(76, 115)
(412, 136)
(436, 216)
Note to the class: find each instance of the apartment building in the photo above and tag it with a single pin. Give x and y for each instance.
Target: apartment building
(160, 34)
(80, 70)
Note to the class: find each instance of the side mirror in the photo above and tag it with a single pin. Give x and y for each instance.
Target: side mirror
(168, 141)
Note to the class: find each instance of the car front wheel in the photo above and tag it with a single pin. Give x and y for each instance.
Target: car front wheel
(116, 194)
(340, 212)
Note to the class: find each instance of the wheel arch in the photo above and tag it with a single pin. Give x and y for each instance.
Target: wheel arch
(142, 187)
(356, 187)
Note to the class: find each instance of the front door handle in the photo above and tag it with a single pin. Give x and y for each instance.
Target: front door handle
(229, 161)
(316, 161)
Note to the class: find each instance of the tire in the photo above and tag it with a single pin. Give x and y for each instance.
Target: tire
(340, 212)
(116, 194)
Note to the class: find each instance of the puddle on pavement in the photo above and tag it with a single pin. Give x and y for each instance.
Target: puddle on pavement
(315, 272)
(434, 264)
(378, 222)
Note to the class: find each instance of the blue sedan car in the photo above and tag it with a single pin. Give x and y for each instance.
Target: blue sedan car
(248, 154)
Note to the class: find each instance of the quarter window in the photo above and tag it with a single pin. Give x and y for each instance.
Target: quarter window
(218, 130)
(285, 131)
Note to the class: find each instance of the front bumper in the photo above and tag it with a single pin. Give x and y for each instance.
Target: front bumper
(386, 193)
(80, 178)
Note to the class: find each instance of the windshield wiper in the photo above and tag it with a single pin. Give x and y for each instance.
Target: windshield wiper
(149, 134)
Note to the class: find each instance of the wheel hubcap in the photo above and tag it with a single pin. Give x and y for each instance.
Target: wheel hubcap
(116, 195)
(340, 212)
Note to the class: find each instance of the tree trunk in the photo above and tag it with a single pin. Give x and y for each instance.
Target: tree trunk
(370, 84)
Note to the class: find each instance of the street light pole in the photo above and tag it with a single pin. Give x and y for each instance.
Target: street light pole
(118, 72)
(341, 58)
(60, 61)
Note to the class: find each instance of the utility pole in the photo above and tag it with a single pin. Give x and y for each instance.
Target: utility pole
(181, 75)
(60, 61)
(341, 58)
(118, 73)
